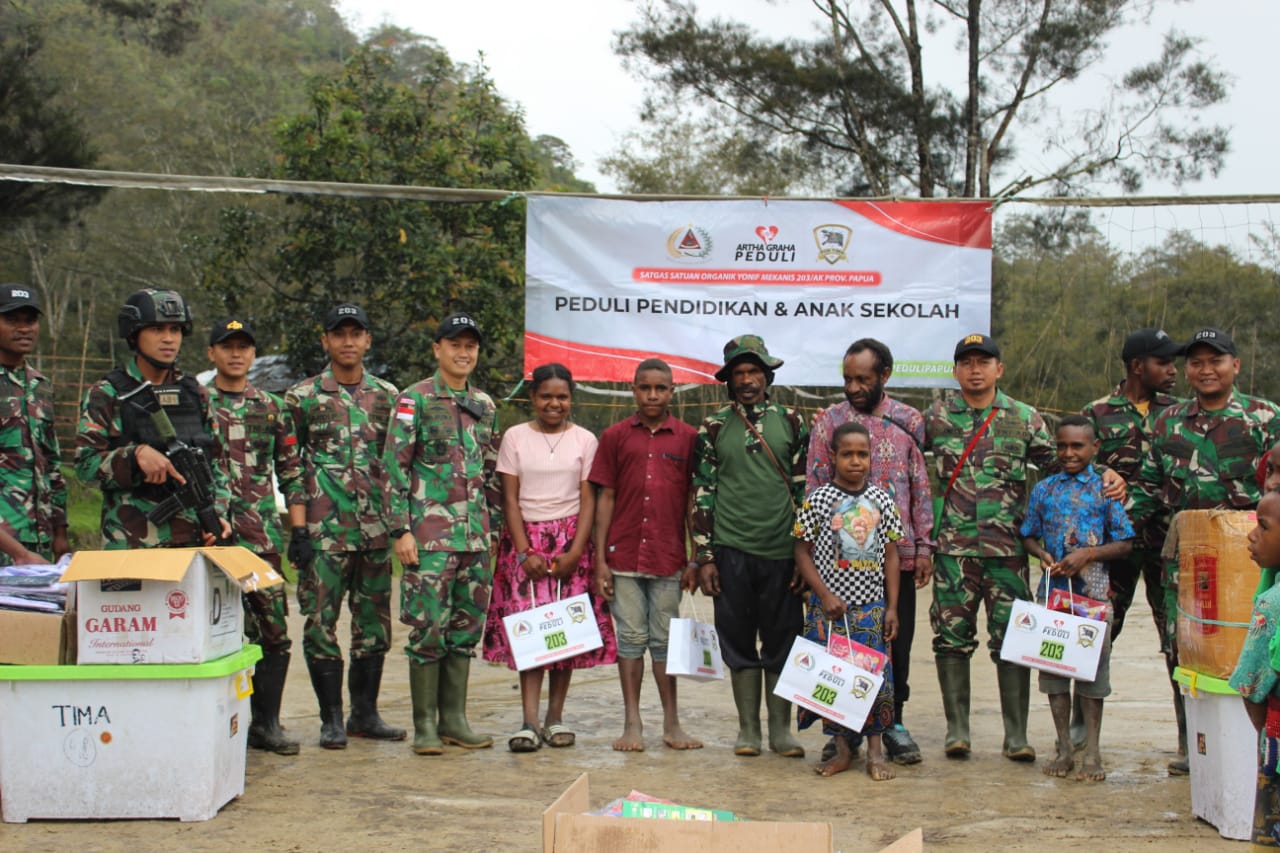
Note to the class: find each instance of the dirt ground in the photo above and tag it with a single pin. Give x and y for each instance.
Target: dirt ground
(381, 796)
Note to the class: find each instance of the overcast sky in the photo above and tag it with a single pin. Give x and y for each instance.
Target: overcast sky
(555, 59)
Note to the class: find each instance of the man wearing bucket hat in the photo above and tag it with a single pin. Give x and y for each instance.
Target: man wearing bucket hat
(34, 509)
(341, 418)
(1123, 423)
(258, 440)
(1203, 454)
(749, 475)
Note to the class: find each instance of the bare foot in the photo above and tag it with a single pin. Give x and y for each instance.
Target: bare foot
(675, 738)
(632, 739)
(838, 763)
(878, 769)
(1091, 770)
(1060, 766)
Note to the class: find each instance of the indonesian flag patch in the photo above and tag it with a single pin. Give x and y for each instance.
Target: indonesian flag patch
(404, 409)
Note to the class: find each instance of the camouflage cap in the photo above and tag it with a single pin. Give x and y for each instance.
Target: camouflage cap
(746, 347)
(15, 296)
(229, 328)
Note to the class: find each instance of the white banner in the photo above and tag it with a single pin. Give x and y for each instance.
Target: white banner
(610, 283)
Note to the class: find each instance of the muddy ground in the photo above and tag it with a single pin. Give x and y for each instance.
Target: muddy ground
(379, 796)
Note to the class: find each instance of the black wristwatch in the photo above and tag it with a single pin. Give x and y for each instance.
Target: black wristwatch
(398, 532)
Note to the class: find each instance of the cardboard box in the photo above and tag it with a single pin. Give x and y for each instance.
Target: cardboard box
(1222, 747)
(94, 742)
(32, 638)
(163, 605)
(1216, 581)
(565, 829)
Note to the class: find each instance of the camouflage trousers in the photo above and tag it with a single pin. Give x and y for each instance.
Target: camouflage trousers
(364, 578)
(265, 614)
(1148, 567)
(443, 600)
(960, 584)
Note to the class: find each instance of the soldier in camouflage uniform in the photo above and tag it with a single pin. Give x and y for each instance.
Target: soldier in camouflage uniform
(748, 478)
(119, 449)
(257, 437)
(341, 420)
(979, 557)
(1123, 422)
(440, 457)
(1203, 455)
(33, 511)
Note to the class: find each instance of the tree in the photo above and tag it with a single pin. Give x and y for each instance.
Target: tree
(858, 101)
(400, 112)
(556, 166)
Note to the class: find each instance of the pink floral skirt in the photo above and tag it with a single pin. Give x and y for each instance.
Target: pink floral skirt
(511, 592)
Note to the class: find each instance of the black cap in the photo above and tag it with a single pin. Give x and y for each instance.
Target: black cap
(1150, 342)
(456, 324)
(231, 327)
(977, 343)
(1212, 337)
(340, 314)
(15, 296)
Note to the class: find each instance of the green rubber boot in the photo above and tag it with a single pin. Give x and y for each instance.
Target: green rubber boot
(746, 695)
(424, 688)
(455, 670)
(1015, 703)
(781, 740)
(953, 679)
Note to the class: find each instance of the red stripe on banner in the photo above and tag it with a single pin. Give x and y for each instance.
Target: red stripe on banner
(588, 362)
(953, 223)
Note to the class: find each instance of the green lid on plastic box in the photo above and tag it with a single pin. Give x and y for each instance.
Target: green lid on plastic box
(232, 663)
(1201, 683)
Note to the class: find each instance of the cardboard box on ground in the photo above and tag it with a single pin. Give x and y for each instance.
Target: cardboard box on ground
(567, 829)
(163, 605)
(1216, 582)
(32, 638)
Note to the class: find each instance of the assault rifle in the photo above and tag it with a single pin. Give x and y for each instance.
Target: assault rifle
(198, 492)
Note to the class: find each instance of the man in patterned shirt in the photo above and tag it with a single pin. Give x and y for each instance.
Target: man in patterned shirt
(341, 419)
(34, 508)
(258, 440)
(1204, 454)
(443, 494)
(898, 467)
(748, 478)
(1123, 423)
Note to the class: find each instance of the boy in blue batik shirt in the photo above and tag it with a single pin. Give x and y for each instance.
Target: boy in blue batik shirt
(1081, 530)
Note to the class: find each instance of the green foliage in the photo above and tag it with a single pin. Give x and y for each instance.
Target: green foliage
(401, 113)
(556, 166)
(1063, 302)
(857, 102)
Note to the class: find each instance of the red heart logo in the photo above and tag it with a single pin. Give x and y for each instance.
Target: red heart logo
(835, 669)
(1058, 623)
(767, 232)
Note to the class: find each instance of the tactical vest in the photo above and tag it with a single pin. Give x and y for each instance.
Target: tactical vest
(180, 401)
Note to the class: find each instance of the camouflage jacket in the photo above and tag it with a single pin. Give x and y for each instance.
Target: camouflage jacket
(340, 438)
(441, 467)
(1205, 460)
(105, 456)
(1124, 434)
(983, 511)
(35, 493)
(257, 438)
(740, 499)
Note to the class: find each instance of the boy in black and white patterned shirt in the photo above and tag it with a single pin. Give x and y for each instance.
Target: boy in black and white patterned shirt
(845, 550)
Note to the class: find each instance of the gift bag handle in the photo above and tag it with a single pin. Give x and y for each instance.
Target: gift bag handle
(533, 592)
(831, 630)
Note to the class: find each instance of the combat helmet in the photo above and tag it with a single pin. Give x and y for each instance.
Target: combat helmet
(152, 307)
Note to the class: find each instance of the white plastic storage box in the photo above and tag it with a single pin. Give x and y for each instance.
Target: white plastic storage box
(124, 741)
(1222, 745)
(163, 605)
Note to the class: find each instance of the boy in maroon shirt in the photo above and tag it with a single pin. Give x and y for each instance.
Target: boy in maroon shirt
(643, 466)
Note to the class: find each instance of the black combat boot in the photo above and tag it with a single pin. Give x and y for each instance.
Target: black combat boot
(326, 679)
(363, 681)
(268, 686)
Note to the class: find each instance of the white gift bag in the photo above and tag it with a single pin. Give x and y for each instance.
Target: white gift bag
(830, 686)
(546, 633)
(693, 649)
(1051, 641)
